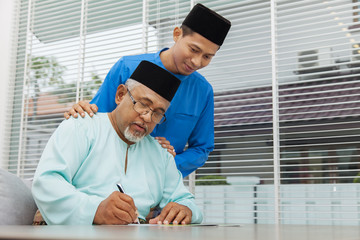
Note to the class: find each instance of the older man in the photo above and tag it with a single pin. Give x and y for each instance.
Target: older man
(75, 182)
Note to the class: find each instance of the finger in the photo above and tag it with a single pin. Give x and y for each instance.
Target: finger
(180, 217)
(172, 152)
(154, 220)
(126, 203)
(94, 108)
(167, 145)
(170, 217)
(171, 148)
(122, 201)
(79, 109)
(86, 106)
(165, 142)
(162, 140)
(66, 115)
(129, 200)
(88, 109)
(163, 214)
(123, 217)
(73, 113)
(130, 213)
(186, 220)
(136, 220)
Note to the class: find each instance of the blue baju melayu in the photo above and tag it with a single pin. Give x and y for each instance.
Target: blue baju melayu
(190, 117)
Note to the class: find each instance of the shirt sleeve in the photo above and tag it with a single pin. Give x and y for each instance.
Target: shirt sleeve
(200, 142)
(175, 191)
(105, 96)
(57, 199)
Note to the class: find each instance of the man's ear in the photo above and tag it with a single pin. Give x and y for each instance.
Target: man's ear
(120, 93)
(177, 33)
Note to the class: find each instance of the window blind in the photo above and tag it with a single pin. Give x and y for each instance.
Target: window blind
(318, 111)
(286, 89)
(242, 161)
(64, 52)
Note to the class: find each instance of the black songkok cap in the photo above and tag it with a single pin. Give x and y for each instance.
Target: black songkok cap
(157, 79)
(208, 24)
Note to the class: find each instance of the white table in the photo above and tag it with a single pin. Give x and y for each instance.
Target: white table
(246, 232)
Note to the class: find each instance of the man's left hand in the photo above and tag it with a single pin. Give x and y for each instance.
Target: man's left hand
(173, 213)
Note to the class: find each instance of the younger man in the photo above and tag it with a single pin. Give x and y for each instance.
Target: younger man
(190, 118)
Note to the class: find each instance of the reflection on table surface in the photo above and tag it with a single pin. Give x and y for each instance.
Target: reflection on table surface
(208, 232)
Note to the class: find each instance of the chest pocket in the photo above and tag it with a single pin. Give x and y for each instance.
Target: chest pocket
(177, 129)
(185, 117)
(185, 122)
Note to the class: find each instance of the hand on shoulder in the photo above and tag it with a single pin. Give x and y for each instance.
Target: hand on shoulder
(80, 108)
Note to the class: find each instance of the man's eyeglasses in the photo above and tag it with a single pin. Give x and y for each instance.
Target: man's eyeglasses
(144, 109)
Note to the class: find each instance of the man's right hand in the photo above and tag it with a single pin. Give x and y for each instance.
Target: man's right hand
(80, 108)
(117, 209)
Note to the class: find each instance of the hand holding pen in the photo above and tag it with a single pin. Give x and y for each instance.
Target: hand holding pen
(121, 189)
(116, 209)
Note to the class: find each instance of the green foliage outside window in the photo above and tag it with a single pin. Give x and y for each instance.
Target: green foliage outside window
(357, 178)
(46, 75)
(211, 180)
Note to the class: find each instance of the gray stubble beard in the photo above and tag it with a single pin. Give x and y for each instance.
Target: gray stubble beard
(137, 137)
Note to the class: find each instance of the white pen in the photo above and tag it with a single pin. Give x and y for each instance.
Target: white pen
(121, 189)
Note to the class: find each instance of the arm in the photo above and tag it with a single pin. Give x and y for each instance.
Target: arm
(200, 142)
(58, 200)
(58, 186)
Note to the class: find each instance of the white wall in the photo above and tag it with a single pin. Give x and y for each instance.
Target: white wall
(7, 8)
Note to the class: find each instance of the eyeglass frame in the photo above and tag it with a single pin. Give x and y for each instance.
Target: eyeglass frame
(162, 120)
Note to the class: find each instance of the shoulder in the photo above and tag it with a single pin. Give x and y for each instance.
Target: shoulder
(150, 141)
(85, 131)
(86, 123)
(153, 145)
(140, 57)
(200, 80)
(196, 82)
(128, 64)
(199, 76)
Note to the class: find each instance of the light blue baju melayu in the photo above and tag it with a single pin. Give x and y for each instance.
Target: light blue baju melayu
(83, 161)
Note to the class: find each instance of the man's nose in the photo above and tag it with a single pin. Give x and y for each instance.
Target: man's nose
(196, 61)
(146, 117)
